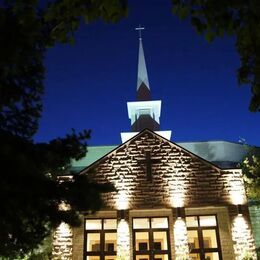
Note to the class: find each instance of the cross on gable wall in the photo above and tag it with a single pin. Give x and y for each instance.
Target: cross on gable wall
(148, 161)
(180, 175)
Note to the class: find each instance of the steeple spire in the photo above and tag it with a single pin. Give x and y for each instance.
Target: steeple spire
(143, 88)
(143, 113)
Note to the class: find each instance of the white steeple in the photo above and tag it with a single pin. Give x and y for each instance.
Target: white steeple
(143, 113)
(142, 76)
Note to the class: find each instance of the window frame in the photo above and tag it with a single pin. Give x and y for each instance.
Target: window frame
(101, 253)
(151, 252)
(202, 250)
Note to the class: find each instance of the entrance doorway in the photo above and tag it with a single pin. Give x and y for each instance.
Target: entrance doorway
(151, 239)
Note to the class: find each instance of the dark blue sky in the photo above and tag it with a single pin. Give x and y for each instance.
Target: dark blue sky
(89, 83)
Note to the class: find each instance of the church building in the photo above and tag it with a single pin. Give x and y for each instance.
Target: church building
(173, 200)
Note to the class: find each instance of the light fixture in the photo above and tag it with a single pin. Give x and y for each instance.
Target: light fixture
(178, 212)
(239, 210)
(122, 214)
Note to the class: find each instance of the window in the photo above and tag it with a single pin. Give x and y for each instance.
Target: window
(144, 111)
(151, 238)
(100, 239)
(203, 237)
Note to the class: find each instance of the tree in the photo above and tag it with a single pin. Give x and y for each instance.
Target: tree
(30, 191)
(238, 18)
(27, 31)
(31, 195)
(251, 170)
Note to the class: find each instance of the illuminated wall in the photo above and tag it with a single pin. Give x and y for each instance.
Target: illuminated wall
(236, 187)
(180, 240)
(62, 243)
(242, 236)
(179, 179)
(123, 240)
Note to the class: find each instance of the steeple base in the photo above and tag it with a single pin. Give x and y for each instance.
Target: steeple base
(125, 136)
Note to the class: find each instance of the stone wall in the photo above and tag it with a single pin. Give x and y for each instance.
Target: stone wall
(179, 178)
(62, 243)
(78, 241)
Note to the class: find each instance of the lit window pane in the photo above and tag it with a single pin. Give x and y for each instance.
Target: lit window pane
(191, 221)
(93, 224)
(142, 257)
(93, 242)
(141, 241)
(160, 241)
(93, 257)
(159, 222)
(110, 242)
(212, 256)
(140, 223)
(161, 257)
(194, 256)
(110, 224)
(209, 238)
(110, 257)
(193, 239)
(208, 221)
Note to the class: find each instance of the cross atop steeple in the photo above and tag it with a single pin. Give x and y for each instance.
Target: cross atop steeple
(139, 29)
(145, 112)
(143, 88)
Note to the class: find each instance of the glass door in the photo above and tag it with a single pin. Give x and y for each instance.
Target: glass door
(203, 237)
(151, 238)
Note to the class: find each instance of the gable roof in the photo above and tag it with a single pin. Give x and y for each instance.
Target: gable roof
(224, 154)
(138, 136)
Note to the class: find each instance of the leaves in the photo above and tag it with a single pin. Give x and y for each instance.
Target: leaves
(30, 189)
(63, 17)
(239, 18)
(251, 171)
(31, 193)
(27, 31)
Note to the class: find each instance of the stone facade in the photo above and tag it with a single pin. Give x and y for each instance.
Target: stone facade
(180, 178)
(62, 242)
(169, 178)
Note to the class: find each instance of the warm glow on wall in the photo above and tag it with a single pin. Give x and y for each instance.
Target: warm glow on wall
(237, 188)
(62, 242)
(181, 240)
(123, 240)
(177, 196)
(64, 229)
(242, 237)
(122, 200)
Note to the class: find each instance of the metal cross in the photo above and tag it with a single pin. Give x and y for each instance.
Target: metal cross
(148, 161)
(139, 29)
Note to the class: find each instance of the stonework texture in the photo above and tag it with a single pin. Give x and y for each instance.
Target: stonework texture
(62, 243)
(179, 178)
(172, 177)
(78, 241)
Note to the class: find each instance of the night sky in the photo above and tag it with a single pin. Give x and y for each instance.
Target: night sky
(89, 83)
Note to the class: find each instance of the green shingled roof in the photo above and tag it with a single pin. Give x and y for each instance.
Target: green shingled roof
(94, 153)
(222, 153)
